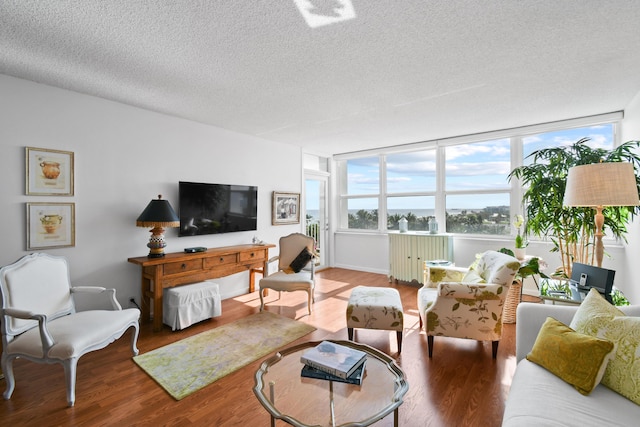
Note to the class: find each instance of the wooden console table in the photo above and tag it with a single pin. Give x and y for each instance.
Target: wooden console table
(180, 268)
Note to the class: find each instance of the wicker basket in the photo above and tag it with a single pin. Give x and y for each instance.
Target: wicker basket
(514, 296)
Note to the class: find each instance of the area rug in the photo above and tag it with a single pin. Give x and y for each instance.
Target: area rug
(188, 365)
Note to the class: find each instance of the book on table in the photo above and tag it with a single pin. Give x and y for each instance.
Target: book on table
(355, 378)
(334, 359)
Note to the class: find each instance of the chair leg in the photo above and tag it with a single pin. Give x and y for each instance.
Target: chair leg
(261, 299)
(7, 370)
(350, 333)
(494, 348)
(309, 300)
(399, 336)
(430, 344)
(420, 317)
(134, 339)
(70, 366)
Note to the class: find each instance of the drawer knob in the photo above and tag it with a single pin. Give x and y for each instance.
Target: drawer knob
(183, 266)
(252, 254)
(221, 259)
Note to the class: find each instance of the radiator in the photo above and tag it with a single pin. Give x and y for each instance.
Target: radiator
(408, 251)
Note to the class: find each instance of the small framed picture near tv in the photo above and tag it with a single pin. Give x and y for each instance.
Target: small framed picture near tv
(286, 208)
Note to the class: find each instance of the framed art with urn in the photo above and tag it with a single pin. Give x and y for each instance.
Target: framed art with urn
(49, 172)
(50, 225)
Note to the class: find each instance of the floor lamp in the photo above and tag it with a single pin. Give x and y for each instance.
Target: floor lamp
(598, 185)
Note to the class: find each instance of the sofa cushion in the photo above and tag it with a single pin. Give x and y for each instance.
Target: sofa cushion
(539, 398)
(598, 318)
(577, 358)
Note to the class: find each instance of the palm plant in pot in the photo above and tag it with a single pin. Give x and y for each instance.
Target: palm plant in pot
(571, 229)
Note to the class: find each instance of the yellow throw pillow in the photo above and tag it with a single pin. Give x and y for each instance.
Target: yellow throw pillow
(598, 318)
(576, 358)
(592, 313)
(623, 371)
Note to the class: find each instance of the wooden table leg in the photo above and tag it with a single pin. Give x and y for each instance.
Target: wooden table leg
(157, 301)
(144, 299)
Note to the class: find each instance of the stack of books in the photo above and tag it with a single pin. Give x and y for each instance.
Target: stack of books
(334, 362)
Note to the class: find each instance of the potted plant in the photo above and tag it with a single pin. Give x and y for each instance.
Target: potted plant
(528, 267)
(521, 244)
(570, 229)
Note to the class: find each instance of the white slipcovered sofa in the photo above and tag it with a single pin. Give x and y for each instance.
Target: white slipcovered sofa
(540, 398)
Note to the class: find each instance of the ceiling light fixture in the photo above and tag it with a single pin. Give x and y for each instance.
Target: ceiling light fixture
(317, 13)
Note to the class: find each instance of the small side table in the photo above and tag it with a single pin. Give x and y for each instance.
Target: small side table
(559, 291)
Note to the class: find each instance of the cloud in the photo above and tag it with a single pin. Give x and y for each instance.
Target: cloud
(499, 147)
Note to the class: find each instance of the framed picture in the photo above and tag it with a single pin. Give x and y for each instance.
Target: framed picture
(51, 225)
(49, 172)
(286, 208)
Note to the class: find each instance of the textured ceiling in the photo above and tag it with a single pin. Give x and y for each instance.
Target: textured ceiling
(398, 72)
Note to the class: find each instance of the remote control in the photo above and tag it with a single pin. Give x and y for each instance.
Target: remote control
(195, 249)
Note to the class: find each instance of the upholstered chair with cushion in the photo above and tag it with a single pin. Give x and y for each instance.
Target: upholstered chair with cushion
(467, 303)
(40, 323)
(296, 268)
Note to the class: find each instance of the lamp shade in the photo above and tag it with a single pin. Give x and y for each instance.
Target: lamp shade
(602, 184)
(158, 213)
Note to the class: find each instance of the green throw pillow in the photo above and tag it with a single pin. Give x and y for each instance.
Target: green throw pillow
(472, 276)
(576, 358)
(598, 318)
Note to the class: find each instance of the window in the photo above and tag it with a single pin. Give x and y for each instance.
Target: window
(361, 187)
(411, 189)
(476, 187)
(479, 214)
(460, 182)
(601, 136)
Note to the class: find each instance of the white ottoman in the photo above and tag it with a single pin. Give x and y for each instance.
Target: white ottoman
(183, 306)
(375, 308)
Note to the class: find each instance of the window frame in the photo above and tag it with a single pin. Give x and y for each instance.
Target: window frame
(515, 136)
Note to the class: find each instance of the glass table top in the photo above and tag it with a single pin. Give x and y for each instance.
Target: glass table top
(302, 401)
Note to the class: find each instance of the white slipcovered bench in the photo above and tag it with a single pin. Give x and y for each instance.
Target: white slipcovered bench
(185, 305)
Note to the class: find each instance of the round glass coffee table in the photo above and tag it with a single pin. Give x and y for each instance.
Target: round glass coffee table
(304, 402)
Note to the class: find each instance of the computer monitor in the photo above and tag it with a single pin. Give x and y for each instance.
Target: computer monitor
(584, 277)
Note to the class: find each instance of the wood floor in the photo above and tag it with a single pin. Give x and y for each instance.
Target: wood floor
(460, 386)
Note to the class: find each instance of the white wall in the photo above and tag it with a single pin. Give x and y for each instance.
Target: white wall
(631, 132)
(124, 157)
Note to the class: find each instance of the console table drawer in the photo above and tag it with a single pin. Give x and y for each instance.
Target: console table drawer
(182, 266)
(220, 260)
(252, 256)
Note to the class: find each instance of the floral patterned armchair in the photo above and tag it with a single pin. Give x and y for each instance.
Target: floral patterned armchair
(467, 302)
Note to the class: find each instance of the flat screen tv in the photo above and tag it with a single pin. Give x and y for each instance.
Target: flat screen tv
(216, 208)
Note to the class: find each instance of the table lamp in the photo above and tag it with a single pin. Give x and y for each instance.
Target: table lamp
(158, 214)
(598, 185)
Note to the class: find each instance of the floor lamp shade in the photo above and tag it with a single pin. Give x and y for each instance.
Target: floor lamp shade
(602, 184)
(158, 214)
(598, 185)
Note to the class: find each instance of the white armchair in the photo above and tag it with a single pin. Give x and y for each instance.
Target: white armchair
(40, 322)
(467, 303)
(296, 268)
